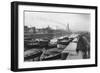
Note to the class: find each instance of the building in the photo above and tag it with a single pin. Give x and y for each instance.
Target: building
(26, 29)
(44, 30)
(32, 30)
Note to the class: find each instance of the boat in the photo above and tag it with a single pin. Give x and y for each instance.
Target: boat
(31, 54)
(52, 57)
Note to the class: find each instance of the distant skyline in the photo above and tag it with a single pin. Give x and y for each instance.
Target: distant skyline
(77, 22)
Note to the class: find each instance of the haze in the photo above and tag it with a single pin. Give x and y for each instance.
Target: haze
(77, 22)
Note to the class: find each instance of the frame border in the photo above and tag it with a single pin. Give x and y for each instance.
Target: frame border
(14, 35)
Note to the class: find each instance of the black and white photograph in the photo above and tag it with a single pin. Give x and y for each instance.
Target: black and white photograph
(53, 36)
(56, 36)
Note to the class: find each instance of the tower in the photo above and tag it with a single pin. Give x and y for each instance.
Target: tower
(68, 29)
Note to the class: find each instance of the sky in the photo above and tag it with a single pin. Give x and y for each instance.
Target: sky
(56, 20)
